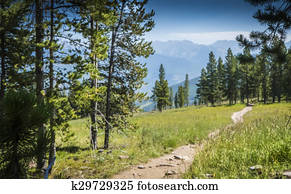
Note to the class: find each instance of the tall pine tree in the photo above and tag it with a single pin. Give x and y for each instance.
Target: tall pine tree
(231, 79)
(246, 67)
(123, 73)
(171, 97)
(212, 79)
(161, 91)
(202, 88)
(221, 80)
(181, 96)
(186, 90)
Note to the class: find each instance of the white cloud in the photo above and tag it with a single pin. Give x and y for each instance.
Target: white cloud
(205, 38)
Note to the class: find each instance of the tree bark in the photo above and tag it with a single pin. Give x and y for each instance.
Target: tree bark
(93, 103)
(39, 75)
(52, 151)
(108, 92)
(247, 88)
(280, 83)
(264, 85)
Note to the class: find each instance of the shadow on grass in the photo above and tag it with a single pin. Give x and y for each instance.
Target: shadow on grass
(72, 149)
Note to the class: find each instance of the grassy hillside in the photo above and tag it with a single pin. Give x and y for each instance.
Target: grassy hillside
(155, 134)
(263, 140)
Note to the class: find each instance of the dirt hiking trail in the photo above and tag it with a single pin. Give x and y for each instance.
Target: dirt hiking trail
(175, 164)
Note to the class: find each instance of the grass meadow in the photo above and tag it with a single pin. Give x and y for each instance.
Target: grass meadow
(263, 141)
(156, 134)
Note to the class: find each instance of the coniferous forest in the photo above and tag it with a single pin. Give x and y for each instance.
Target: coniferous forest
(71, 81)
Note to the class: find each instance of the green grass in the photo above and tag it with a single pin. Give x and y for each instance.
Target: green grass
(263, 139)
(156, 134)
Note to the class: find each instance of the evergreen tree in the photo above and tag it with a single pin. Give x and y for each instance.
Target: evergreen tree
(202, 88)
(39, 72)
(264, 74)
(212, 79)
(176, 100)
(278, 53)
(15, 46)
(93, 18)
(161, 91)
(195, 103)
(55, 20)
(246, 67)
(20, 117)
(162, 73)
(186, 90)
(221, 80)
(276, 16)
(181, 96)
(123, 73)
(231, 79)
(171, 97)
(287, 76)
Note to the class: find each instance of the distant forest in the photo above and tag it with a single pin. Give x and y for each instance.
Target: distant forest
(245, 78)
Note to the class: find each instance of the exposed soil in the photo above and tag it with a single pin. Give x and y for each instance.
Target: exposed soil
(175, 164)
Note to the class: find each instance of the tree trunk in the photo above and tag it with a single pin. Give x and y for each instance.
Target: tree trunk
(52, 151)
(242, 98)
(280, 83)
(110, 72)
(274, 90)
(264, 90)
(247, 88)
(93, 103)
(108, 100)
(39, 75)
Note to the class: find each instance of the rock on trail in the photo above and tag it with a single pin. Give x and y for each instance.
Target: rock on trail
(175, 164)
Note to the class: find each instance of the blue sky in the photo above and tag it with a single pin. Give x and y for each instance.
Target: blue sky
(202, 21)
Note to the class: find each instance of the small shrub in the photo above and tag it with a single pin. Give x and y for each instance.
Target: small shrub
(20, 119)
